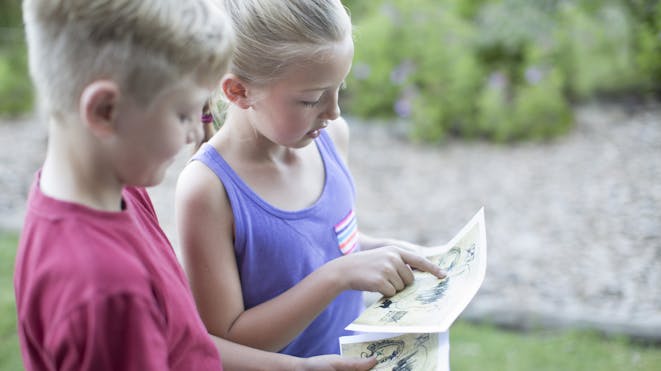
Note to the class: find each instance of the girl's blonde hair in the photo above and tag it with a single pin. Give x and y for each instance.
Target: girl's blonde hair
(143, 45)
(271, 35)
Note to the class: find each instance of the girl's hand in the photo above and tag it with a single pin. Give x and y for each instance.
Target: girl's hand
(386, 270)
(337, 363)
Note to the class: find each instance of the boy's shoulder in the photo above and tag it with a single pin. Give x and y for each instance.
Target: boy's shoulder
(67, 250)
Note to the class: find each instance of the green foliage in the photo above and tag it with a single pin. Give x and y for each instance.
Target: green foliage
(595, 50)
(16, 94)
(10, 13)
(10, 356)
(418, 71)
(498, 69)
(648, 41)
(357, 8)
(540, 110)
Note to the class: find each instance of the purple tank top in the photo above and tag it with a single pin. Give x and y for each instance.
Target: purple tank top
(275, 248)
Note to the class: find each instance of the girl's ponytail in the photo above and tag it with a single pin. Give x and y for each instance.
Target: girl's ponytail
(207, 120)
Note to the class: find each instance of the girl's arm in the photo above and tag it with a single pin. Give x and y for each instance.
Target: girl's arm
(205, 226)
(204, 220)
(241, 358)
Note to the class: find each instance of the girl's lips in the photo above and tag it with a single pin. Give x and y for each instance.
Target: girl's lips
(315, 133)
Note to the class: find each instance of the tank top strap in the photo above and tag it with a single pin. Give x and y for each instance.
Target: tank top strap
(328, 151)
(231, 181)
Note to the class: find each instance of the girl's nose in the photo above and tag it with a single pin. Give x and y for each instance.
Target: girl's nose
(332, 111)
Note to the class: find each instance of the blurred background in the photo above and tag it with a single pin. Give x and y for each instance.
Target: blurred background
(500, 70)
(545, 112)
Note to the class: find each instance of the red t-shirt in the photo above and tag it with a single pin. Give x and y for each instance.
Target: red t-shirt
(102, 290)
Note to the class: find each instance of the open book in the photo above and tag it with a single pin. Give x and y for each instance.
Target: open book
(429, 351)
(414, 317)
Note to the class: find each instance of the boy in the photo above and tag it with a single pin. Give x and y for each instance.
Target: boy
(97, 284)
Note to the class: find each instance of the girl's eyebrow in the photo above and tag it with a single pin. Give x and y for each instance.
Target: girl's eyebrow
(323, 88)
(316, 89)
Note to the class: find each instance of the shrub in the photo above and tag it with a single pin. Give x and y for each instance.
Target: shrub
(595, 50)
(648, 42)
(413, 53)
(498, 69)
(16, 94)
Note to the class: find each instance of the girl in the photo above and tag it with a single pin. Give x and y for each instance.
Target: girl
(265, 210)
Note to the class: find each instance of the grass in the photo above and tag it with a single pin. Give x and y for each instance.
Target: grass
(10, 355)
(472, 346)
(484, 347)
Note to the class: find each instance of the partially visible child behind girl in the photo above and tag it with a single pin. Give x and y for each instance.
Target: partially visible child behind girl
(266, 211)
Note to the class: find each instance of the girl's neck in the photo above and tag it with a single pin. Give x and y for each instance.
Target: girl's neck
(239, 138)
(287, 178)
(73, 171)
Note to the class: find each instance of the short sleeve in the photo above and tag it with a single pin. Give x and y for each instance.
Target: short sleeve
(118, 332)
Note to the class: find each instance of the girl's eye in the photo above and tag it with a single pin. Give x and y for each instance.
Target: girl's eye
(310, 104)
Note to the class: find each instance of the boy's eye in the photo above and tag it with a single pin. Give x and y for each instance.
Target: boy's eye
(184, 118)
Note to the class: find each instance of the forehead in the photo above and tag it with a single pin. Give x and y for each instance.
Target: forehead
(322, 70)
(186, 90)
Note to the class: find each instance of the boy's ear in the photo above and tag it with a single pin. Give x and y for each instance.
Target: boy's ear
(98, 106)
(236, 91)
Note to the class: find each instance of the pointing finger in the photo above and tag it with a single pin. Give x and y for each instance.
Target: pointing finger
(421, 263)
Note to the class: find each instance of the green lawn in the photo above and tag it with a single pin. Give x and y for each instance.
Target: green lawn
(483, 347)
(472, 347)
(10, 356)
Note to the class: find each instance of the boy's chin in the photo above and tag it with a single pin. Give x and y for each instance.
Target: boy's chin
(151, 180)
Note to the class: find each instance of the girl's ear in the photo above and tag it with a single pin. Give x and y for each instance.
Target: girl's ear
(236, 91)
(98, 107)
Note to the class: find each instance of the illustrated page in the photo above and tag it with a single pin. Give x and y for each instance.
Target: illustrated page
(431, 304)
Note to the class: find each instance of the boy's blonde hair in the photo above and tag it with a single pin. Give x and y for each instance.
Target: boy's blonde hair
(142, 45)
(271, 34)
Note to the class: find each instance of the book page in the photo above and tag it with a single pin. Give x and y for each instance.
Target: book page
(431, 304)
(427, 351)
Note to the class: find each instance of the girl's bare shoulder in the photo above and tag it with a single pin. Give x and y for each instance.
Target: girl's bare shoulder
(199, 188)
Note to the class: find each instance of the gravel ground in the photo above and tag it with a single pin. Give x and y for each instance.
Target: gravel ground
(573, 225)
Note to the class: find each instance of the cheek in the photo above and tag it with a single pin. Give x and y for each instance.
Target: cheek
(298, 117)
(176, 140)
(167, 141)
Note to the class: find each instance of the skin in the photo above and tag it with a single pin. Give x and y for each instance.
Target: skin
(241, 358)
(112, 142)
(266, 139)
